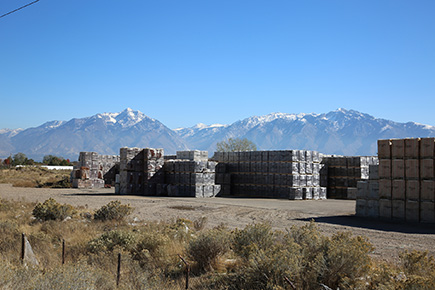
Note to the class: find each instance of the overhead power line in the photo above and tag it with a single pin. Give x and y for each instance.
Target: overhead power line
(19, 8)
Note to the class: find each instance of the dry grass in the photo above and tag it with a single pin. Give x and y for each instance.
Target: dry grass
(35, 177)
(255, 257)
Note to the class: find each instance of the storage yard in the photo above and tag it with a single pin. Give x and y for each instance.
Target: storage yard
(398, 184)
(332, 216)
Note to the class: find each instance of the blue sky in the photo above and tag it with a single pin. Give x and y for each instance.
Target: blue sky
(185, 62)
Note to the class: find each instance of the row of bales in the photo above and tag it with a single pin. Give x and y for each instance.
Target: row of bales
(398, 184)
(289, 174)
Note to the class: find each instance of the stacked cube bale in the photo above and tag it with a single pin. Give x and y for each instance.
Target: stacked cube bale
(94, 170)
(290, 174)
(427, 180)
(367, 196)
(140, 170)
(191, 174)
(406, 184)
(344, 172)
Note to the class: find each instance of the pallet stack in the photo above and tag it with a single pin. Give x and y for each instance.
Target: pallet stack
(290, 174)
(406, 179)
(140, 170)
(191, 174)
(367, 195)
(94, 170)
(344, 172)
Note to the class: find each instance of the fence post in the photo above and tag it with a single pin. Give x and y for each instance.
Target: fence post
(118, 273)
(23, 247)
(187, 271)
(63, 251)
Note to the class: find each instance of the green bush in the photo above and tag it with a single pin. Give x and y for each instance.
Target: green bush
(109, 240)
(114, 210)
(208, 247)
(52, 210)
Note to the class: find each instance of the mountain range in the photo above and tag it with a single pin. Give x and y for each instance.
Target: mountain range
(344, 132)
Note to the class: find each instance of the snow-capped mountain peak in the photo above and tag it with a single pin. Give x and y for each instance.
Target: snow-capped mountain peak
(129, 118)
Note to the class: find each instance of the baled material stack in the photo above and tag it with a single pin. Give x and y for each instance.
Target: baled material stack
(290, 174)
(427, 178)
(191, 174)
(367, 196)
(406, 180)
(140, 170)
(94, 170)
(344, 172)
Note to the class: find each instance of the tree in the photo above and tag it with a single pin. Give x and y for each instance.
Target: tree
(52, 160)
(20, 159)
(236, 144)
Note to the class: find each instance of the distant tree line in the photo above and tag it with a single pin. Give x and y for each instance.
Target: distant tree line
(21, 159)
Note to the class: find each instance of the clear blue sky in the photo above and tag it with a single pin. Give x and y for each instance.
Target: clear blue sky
(185, 62)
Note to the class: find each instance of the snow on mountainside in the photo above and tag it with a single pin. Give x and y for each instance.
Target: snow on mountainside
(9, 132)
(104, 133)
(342, 131)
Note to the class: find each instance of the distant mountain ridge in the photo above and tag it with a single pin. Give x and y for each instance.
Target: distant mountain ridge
(346, 132)
(342, 131)
(104, 133)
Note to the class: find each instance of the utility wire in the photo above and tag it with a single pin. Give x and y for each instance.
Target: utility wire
(19, 8)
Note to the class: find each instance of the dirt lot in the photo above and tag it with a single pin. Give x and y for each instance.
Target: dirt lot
(332, 216)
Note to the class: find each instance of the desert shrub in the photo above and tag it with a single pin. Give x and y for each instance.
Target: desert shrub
(150, 243)
(345, 259)
(5, 205)
(419, 270)
(208, 247)
(58, 182)
(9, 235)
(336, 262)
(252, 239)
(52, 210)
(114, 210)
(200, 223)
(180, 230)
(109, 240)
(156, 250)
(266, 269)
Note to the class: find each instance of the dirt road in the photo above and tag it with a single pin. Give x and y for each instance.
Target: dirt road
(332, 216)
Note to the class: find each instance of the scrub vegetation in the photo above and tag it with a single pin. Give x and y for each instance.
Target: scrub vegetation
(35, 176)
(255, 257)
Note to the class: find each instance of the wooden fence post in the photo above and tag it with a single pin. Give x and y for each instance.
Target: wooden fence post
(187, 271)
(23, 247)
(118, 273)
(63, 251)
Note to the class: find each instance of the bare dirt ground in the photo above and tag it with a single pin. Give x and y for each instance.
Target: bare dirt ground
(389, 238)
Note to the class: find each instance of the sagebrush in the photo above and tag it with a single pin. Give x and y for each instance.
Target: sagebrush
(254, 257)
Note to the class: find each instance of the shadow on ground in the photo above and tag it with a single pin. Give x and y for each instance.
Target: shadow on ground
(375, 224)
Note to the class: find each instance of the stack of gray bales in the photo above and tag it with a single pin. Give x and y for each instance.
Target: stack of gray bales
(344, 172)
(94, 170)
(140, 170)
(191, 174)
(290, 174)
(367, 197)
(406, 184)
